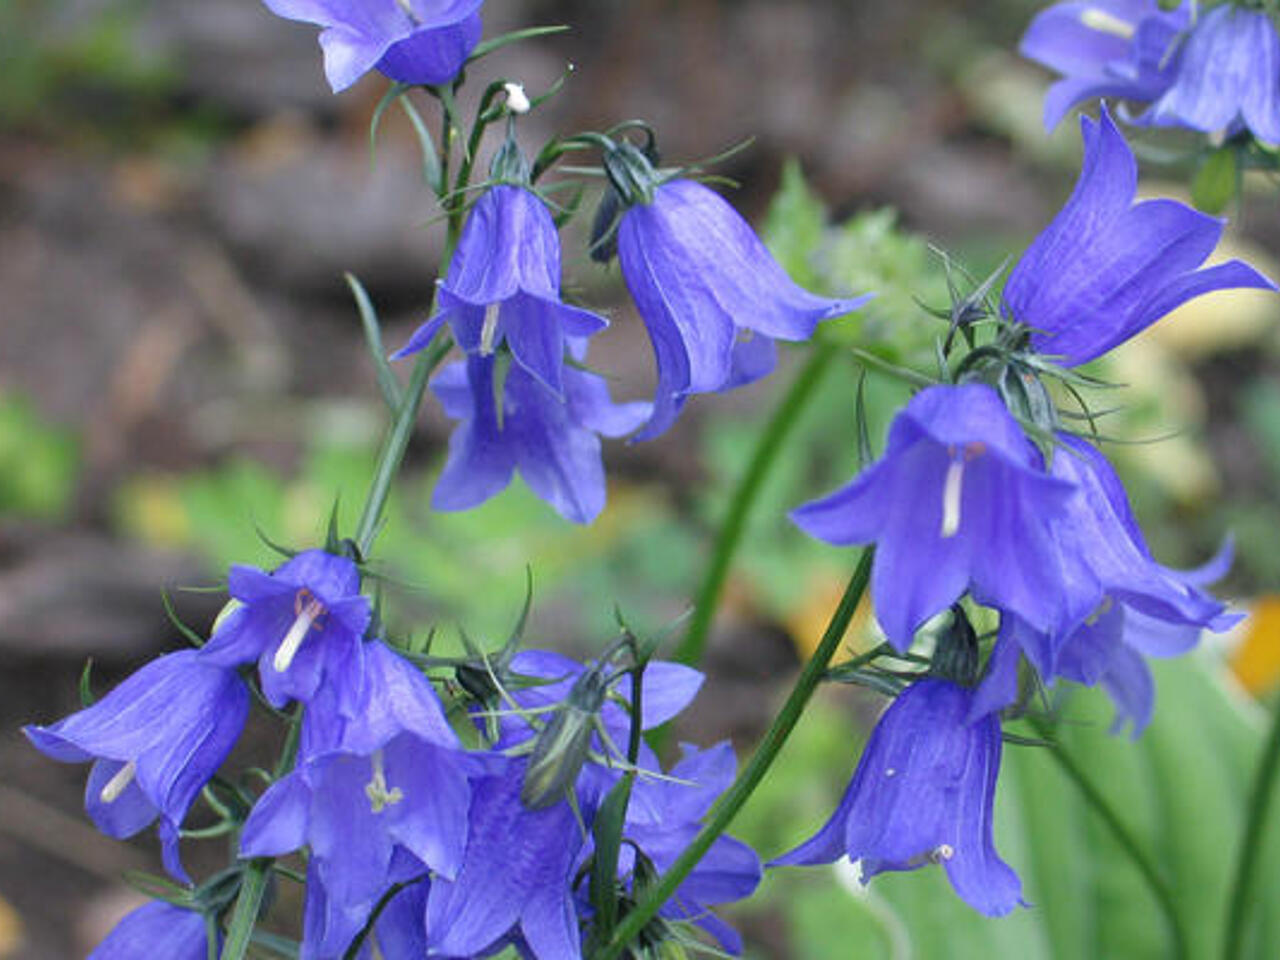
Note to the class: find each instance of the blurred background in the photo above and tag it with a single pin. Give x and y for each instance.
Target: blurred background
(182, 366)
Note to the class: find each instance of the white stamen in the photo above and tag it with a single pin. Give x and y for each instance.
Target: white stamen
(489, 329)
(944, 851)
(117, 784)
(517, 99)
(1105, 22)
(952, 487)
(288, 648)
(408, 9)
(891, 772)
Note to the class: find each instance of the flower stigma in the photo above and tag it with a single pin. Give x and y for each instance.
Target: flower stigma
(306, 609)
(489, 330)
(1105, 22)
(116, 785)
(376, 789)
(517, 99)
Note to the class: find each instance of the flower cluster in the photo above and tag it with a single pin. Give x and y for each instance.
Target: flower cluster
(981, 492)
(488, 845)
(1215, 69)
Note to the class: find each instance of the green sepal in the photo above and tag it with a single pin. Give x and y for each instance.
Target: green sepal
(611, 821)
(87, 699)
(487, 47)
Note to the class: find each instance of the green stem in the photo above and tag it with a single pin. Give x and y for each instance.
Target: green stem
(730, 535)
(1255, 825)
(253, 887)
(1155, 882)
(737, 794)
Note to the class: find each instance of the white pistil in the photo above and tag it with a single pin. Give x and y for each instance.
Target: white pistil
(517, 99)
(117, 784)
(952, 488)
(288, 649)
(1105, 22)
(408, 10)
(489, 329)
(376, 789)
(943, 852)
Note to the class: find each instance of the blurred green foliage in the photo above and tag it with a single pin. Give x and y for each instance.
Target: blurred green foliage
(39, 462)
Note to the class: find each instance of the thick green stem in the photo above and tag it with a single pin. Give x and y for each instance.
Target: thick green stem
(730, 535)
(737, 794)
(1155, 881)
(1251, 841)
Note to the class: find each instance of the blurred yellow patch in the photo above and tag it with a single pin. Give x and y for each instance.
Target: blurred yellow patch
(10, 930)
(1257, 659)
(808, 619)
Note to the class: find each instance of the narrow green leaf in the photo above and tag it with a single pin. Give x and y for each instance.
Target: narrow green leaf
(394, 93)
(607, 833)
(432, 169)
(87, 699)
(387, 382)
(497, 43)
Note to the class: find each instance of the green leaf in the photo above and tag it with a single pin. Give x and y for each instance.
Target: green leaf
(487, 47)
(1215, 183)
(387, 382)
(794, 226)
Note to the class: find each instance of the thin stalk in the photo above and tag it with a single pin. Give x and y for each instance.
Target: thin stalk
(742, 788)
(1155, 881)
(1255, 826)
(397, 441)
(775, 433)
(253, 887)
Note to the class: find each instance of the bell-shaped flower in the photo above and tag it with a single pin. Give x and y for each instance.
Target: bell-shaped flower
(410, 41)
(156, 929)
(924, 792)
(959, 501)
(553, 439)
(155, 740)
(664, 816)
(1106, 267)
(302, 622)
(1125, 49)
(1227, 77)
(712, 297)
(516, 877)
(504, 287)
(379, 797)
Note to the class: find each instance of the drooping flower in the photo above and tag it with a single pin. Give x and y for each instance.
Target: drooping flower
(379, 797)
(303, 621)
(516, 877)
(155, 740)
(1126, 49)
(156, 929)
(712, 297)
(959, 501)
(410, 41)
(1106, 268)
(1228, 76)
(553, 440)
(504, 287)
(924, 792)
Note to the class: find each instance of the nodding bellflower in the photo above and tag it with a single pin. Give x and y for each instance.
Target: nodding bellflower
(553, 440)
(959, 501)
(156, 929)
(155, 740)
(1228, 76)
(379, 798)
(303, 622)
(504, 287)
(924, 792)
(1106, 267)
(1125, 49)
(409, 41)
(711, 295)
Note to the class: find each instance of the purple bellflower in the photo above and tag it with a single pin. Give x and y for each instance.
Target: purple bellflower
(663, 818)
(553, 440)
(303, 622)
(156, 929)
(516, 876)
(1106, 268)
(924, 792)
(155, 740)
(379, 797)
(504, 287)
(410, 41)
(1124, 49)
(1228, 76)
(959, 501)
(712, 297)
